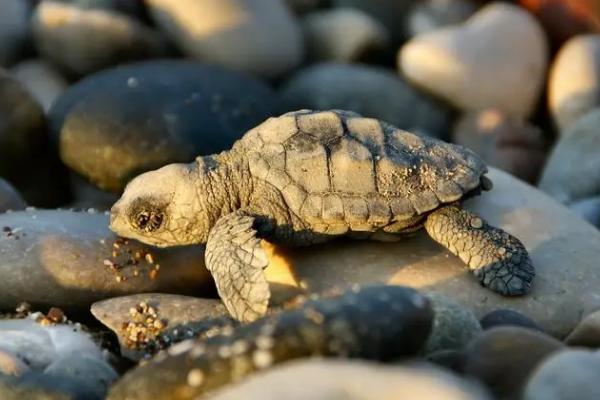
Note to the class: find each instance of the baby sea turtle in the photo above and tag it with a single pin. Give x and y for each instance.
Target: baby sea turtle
(309, 176)
(380, 323)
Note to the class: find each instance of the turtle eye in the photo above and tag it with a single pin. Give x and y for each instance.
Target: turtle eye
(148, 221)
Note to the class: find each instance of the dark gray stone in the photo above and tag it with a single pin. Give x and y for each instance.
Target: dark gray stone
(378, 323)
(65, 259)
(120, 122)
(506, 317)
(10, 199)
(370, 91)
(503, 358)
(14, 29)
(453, 325)
(174, 311)
(93, 374)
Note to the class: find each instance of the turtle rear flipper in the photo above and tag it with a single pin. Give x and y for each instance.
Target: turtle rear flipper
(236, 261)
(496, 258)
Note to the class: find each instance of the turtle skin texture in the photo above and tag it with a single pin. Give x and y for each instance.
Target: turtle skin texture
(308, 176)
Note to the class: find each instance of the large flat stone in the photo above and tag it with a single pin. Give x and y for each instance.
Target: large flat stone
(62, 258)
(563, 248)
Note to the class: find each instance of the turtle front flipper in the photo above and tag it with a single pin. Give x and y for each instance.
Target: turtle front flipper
(497, 259)
(236, 261)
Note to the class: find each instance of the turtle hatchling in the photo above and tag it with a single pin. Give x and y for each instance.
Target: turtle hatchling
(309, 176)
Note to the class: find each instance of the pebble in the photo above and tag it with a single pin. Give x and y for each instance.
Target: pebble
(334, 379)
(120, 122)
(391, 13)
(168, 312)
(571, 374)
(502, 358)
(370, 91)
(430, 15)
(453, 325)
(22, 132)
(95, 374)
(37, 346)
(260, 37)
(588, 209)
(82, 40)
(574, 81)
(587, 333)
(549, 231)
(41, 79)
(504, 141)
(570, 174)
(10, 364)
(343, 35)
(14, 30)
(378, 323)
(495, 59)
(563, 19)
(10, 199)
(71, 259)
(39, 386)
(507, 317)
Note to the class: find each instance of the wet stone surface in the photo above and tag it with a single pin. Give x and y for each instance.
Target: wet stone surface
(377, 323)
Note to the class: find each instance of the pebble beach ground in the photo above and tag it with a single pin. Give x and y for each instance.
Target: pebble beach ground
(95, 92)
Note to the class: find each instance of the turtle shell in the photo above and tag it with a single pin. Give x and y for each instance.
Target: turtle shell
(338, 168)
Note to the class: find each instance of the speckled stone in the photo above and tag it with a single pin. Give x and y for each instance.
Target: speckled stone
(571, 374)
(333, 379)
(503, 358)
(64, 259)
(120, 122)
(571, 172)
(370, 91)
(261, 37)
(377, 322)
(175, 312)
(82, 40)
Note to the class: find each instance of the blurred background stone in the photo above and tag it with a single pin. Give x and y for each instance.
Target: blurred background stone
(10, 199)
(571, 172)
(41, 79)
(574, 81)
(495, 59)
(504, 141)
(429, 15)
(256, 36)
(370, 91)
(82, 40)
(344, 35)
(14, 30)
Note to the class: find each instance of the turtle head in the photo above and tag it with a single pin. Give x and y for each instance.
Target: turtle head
(161, 208)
